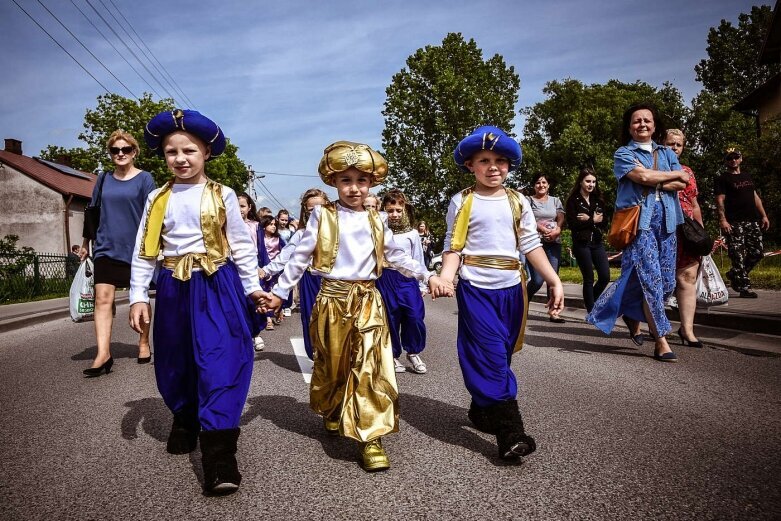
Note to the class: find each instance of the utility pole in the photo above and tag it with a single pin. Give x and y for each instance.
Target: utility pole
(251, 177)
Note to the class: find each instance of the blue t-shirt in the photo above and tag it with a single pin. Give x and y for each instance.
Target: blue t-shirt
(121, 208)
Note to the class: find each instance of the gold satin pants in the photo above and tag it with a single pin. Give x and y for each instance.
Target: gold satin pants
(353, 379)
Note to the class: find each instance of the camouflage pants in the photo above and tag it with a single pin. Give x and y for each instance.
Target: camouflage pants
(744, 245)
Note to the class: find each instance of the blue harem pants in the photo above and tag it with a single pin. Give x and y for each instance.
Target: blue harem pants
(406, 311)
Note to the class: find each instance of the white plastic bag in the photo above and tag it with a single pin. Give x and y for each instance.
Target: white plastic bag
(711, 290)
(82, 295)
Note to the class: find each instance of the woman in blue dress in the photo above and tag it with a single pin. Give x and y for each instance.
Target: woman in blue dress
(650, 175)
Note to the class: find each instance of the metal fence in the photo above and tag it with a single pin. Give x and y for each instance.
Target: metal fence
(27, 276)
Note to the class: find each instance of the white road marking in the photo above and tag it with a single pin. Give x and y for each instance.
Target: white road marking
(303, 361)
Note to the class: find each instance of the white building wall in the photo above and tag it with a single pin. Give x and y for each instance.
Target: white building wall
(34, 212)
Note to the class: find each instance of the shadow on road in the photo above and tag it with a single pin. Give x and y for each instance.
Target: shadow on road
(283, 360)
(294, 416)
(576, 346)
(448, 424)
(117, 351)
(151, 414)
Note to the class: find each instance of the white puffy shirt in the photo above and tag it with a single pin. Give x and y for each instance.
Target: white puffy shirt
(410, 243)
(182, 234)
(355, 259)
(491, 233)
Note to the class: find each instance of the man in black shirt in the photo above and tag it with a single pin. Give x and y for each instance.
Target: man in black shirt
(742, 219)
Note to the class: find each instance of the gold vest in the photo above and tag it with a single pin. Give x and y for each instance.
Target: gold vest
(458, 240)
(212, 226)
(327, 246)
(461, 225)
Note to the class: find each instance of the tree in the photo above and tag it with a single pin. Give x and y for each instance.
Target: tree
(731, 67)
(442, 95)
(728, 74)
(579, 125)
(117, 112)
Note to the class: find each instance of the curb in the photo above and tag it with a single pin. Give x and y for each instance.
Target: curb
(737, 322)
(28, 319)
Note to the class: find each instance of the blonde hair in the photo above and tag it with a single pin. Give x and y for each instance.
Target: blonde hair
(121, 134)
(675, 132)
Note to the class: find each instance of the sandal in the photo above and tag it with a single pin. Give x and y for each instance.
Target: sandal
(417, 364)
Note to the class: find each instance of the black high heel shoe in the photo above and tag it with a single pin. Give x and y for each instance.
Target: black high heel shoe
(687, 342)
(145, 359)
(92, 372)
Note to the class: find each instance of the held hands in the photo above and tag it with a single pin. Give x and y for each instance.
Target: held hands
(261, 274)
(269, 302)
(259, 298)
(140, 314)
(598, 217)
(440, 287)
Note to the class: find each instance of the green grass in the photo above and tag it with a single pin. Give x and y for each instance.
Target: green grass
(766, 275)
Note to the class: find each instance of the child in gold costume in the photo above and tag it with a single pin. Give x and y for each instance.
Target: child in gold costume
(353, 381)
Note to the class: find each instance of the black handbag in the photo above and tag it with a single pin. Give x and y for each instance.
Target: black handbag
(694, 239)
(92, 214)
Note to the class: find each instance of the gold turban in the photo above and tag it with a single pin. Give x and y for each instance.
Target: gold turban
(342, 155)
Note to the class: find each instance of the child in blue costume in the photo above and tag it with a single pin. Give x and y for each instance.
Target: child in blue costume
(403, 295)
(204, 322)
(309, 285)
(488, 227)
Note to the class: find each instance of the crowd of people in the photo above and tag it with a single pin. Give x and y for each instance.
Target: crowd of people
(357, 269)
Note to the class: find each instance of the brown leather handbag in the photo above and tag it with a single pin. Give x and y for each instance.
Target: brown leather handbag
(623, 228)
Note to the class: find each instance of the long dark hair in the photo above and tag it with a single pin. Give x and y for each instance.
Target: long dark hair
(252, 214)
(627, 119)
(584, 172)
(265, 221)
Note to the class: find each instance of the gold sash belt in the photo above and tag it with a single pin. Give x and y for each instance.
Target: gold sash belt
(361, 297)
(183, 265)
(487, 261)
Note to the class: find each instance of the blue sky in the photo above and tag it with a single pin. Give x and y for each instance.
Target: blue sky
(285, 79)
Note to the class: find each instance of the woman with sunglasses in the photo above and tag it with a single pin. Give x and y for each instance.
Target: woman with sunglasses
(122, 197)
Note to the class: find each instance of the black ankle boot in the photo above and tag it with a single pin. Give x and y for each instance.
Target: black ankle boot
(184, 433)
(220, 470)
(511, 439)
(480, 419)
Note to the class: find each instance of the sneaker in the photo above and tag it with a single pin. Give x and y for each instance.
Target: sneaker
(747, 293)
(259, 344)
(286, 312)
(417, 364)
(373, 456)
(399, 366)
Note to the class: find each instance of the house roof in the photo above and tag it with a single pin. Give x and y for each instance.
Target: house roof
(59, 178)
(770, 89)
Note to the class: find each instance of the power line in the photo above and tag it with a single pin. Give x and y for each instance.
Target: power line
(289, 175)
(166, 74)
(271, 195)
(113, 46)
(86, 49)
(61, 47)
(125, 44)
(121, 26)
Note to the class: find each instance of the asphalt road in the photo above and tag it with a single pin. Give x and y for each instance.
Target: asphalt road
(620, 436)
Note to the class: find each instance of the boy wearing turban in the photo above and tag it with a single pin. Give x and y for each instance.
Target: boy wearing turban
(488, 227)
(204, 317)
(353, 380)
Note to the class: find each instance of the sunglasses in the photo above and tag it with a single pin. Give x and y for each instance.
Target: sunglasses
(116, 150)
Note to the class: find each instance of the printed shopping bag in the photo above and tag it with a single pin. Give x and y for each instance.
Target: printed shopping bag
(82, 295)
